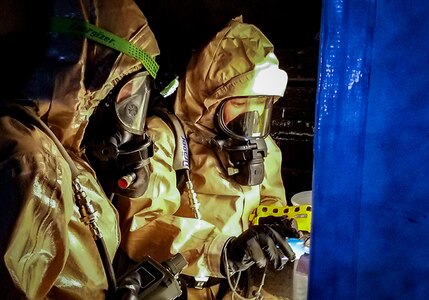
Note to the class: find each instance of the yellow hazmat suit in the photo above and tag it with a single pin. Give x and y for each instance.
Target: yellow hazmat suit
(48, 252)
(161, 224)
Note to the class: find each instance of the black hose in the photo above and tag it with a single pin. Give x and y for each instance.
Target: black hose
(107, 265)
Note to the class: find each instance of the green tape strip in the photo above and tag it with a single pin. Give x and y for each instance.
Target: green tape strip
(85, 29)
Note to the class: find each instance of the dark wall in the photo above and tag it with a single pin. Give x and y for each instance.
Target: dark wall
(183, 26)
(292, 124)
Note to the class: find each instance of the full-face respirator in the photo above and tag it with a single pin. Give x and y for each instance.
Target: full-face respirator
(115, 140)
(243, 123)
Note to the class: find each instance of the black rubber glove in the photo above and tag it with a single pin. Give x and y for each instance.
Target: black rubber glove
(283, 225)
(259, 244)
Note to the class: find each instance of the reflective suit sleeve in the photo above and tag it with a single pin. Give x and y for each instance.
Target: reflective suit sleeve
(272, 188)
(29, 183)
(48, 252)
(148, 223)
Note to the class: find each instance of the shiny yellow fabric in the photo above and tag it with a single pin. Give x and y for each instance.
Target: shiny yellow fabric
(160, 223)
(51, 253)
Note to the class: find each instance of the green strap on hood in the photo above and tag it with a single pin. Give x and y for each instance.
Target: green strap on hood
(106, 38)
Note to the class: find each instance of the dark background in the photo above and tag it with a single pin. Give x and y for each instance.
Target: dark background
(182, 27)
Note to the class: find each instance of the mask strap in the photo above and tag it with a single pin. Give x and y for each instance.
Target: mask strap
(108, 39)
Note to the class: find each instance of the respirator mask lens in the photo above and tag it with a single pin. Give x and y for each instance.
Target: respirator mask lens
(244, 122)
(132, 102)
(246, 117)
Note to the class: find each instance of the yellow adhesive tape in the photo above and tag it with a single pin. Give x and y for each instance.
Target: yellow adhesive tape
(301, 214)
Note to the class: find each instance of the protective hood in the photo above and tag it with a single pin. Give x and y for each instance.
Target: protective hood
(80, 87)
(239, 61)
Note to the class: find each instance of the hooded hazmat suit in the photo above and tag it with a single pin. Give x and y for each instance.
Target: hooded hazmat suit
(232, 64)
(47, 252)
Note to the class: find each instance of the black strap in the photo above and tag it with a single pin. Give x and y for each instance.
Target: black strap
(192, 283)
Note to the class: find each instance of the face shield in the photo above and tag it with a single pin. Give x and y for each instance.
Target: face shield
(245, 118)
(115, 140)
(243, 123)
(131, 103)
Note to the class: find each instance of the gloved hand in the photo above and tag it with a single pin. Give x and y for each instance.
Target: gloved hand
(260, 244)
(283, 225)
